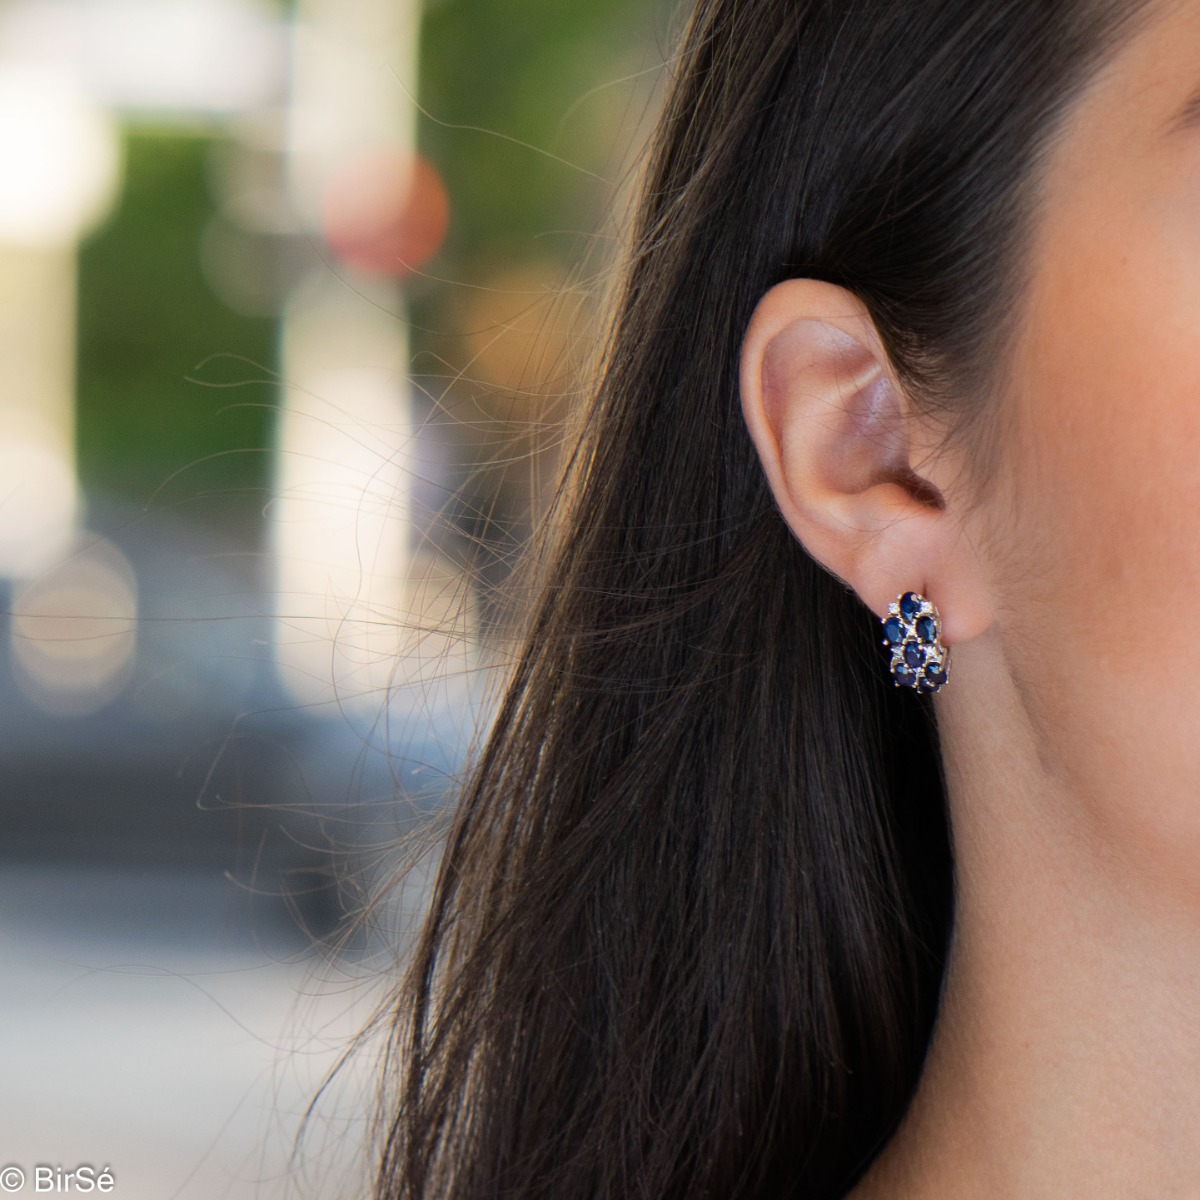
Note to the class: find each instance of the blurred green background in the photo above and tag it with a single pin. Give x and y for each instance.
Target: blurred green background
(530, 112)
(148, 321)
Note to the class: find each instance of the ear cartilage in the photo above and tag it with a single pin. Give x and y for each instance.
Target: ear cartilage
(912, 630)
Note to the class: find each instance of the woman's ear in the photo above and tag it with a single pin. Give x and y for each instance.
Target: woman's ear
(850, 463)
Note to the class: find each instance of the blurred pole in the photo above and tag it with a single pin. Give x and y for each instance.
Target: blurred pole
(38, 495)
(340, 512)
(59, 167)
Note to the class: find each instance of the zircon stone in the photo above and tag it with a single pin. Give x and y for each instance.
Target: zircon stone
(926, 629)
(893, 630)
(909, 605)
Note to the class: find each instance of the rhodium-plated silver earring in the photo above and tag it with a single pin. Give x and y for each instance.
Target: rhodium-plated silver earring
(913, 630)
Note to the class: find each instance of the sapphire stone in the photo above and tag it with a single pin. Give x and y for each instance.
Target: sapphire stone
(893, 630)
(935, 673)
(914, 655)
(926, 628)
(909, 605)
(904, 675)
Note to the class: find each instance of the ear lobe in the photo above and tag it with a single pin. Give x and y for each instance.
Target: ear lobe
(843, 450)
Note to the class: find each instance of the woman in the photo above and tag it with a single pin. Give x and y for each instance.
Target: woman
(913, 304)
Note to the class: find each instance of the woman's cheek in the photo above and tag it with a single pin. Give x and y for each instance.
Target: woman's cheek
(1101, 575)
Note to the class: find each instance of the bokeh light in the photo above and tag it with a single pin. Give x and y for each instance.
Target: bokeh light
(60, 157)
(74, 629)
(387, 213)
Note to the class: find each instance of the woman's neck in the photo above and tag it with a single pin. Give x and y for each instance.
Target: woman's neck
(1066, 1059)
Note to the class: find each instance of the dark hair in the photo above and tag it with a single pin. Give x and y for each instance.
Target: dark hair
(694, 907)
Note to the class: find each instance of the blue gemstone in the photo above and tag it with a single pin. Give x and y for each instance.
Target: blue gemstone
(927, 685)
(926, 628)
(893, 630)
(904, 675)
(935, 673)
(909, 605)
(914, 655)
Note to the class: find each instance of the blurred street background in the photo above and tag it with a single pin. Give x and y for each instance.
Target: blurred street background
(295, 299)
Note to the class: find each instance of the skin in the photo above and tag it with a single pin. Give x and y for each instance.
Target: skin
(1066, 1060)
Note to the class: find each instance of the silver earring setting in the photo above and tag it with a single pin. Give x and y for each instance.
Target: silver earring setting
(913, 630)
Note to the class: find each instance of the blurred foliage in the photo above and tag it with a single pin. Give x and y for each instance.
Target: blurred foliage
(153, 339)
(528, 110)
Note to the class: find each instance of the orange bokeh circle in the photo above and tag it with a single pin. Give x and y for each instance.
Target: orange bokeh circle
(386, 212)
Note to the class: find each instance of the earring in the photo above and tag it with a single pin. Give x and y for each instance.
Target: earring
(913, 630)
